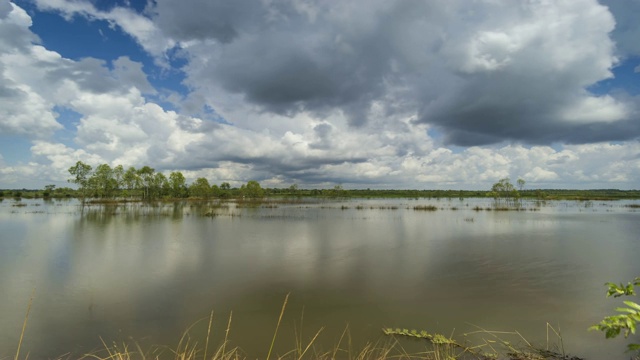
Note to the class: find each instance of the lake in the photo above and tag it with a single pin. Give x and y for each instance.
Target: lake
(149, 271)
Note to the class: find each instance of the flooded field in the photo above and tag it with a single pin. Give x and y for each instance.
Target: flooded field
(149, 271)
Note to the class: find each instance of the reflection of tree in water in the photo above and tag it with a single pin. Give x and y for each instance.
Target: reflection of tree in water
(131, 212)
(101, 214)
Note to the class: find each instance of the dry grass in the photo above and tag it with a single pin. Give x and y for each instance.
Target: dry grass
(436, 346)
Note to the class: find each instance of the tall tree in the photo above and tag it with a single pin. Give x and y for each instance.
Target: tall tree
(102, 182)
(178, 184)
(253, 190)
(146, 177)
(159, 185)
(130, 181)
(80, 172)
(118, 175)
(48, 189)
(200, 188)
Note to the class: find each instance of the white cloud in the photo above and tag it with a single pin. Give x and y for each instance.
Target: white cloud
(538, 174)
(596, 109)
(372, 91)
(22, 110)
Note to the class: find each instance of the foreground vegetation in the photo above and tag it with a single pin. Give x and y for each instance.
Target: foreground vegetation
(627, 318)
(488, 345)
(393, 345)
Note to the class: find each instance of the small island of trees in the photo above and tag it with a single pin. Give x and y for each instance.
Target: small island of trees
(145, 183)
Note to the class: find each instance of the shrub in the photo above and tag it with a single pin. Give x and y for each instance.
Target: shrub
(628, 318)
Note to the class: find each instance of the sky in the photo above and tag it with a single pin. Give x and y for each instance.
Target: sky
(405, 94)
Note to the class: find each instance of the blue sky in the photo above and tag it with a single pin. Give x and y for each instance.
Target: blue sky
(366, 94)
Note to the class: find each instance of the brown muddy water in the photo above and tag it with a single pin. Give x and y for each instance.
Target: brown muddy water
(147, 272)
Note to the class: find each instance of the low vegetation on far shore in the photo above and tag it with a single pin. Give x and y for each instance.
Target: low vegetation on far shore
(107, 184)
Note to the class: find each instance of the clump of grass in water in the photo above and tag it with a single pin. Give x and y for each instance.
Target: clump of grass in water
(425, 208)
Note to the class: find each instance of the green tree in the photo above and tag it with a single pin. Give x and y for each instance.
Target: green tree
(118, 175)
(48, 190)
(504, 190)
(253, 190)
(215, 191)
(200, 188)
(225, 190)
(159, 186)
(521, 183)
(102, 182)
(80, 172)
(130, 179)
(146, 180)
(178, 184)
(337, 190)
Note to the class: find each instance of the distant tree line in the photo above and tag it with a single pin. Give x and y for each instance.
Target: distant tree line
(109, 183)
(106, 182)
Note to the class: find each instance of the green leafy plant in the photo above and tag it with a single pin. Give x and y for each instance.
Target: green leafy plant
(628, 317)
(492, 345)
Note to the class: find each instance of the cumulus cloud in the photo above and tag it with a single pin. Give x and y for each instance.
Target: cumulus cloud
(482, 73)
(22, 110)
(359, 93)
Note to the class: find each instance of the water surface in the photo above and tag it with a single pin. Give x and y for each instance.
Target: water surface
(148, 272)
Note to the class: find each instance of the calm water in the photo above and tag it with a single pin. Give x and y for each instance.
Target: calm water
(149, 272)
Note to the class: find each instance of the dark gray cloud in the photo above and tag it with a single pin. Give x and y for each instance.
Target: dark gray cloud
(286, 60)
(627, 31)
(203, 20)
(493, 109)
(323, 133)
(482, 72)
